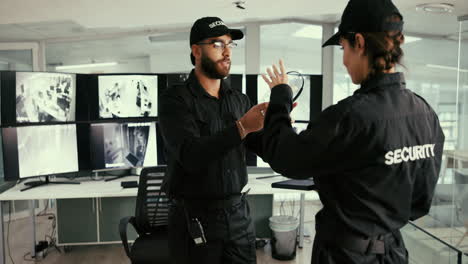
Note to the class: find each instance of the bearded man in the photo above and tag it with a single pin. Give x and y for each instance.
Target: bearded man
(207, 126)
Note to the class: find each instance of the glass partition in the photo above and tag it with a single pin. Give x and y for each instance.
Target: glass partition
(442, 235)
(16, 60)
(297, 43)
(458, 157)
(426, 248)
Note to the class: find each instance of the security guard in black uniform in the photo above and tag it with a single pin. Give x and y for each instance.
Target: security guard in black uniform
(204, 123)
(375, 156)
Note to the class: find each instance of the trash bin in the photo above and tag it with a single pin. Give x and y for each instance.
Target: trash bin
(284, 236)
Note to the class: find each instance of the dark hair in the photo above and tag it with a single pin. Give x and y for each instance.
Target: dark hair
(192, 59)
(382, 48)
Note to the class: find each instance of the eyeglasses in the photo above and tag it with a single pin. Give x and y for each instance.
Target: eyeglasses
(218, 44)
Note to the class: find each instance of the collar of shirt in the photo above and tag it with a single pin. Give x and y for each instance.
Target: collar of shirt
(385, 80)
(198, 91)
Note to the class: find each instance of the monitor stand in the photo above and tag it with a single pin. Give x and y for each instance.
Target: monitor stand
(116, 177)
(33, 184)
(118, 174)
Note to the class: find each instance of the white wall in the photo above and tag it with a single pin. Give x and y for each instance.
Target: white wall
(174, 57)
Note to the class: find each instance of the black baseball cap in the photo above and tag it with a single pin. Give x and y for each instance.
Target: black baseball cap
(209, 27)
(366, 16)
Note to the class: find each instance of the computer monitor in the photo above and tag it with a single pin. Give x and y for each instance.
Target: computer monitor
(45, 97)
(309, 102)
(161, 148)
(44, 150)
(309, 107)
(302, 110)
(127, 96)
(123, 145)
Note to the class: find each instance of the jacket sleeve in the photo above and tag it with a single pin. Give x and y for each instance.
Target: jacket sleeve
(253, 142)
(182, 135)
(426, 180)
(314, 151)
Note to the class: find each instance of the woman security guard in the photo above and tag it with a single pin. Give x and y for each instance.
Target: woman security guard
(375, 156)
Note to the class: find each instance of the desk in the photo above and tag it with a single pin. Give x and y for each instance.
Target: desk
(299, 185)
(263, 186)
(87, 189)
(101, 189)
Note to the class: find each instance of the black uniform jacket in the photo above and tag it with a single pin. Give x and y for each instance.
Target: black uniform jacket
(205, 154)
(375, 156)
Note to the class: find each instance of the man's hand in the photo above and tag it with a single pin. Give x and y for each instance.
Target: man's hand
(252, 121)
(276, 76)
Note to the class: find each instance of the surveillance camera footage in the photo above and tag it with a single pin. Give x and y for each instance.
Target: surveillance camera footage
(122, 96)
(45, 97)
(44, 150)
(125, 145)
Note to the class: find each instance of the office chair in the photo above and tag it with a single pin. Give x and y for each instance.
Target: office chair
(150, 221)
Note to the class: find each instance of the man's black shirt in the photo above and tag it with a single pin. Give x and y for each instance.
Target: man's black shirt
(205, 154)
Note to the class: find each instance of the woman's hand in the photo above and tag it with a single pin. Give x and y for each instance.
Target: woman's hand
(276, 76)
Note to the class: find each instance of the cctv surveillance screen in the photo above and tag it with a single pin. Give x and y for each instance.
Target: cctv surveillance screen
(123, 145)
(301, 111)
(45, 150)
(122, 96)
(45, 97)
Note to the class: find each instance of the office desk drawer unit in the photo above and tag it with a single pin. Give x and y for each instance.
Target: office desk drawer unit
(92, 220)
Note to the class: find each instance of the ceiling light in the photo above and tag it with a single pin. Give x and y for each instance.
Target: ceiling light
(89, 65)
(441, 8)
(169, 37)
(443, 67)
(309, 31)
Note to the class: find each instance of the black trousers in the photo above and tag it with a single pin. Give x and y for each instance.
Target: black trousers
(324, 252)
(229, 232)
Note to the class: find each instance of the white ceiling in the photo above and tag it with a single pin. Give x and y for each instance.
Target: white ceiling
(125, 25)
(32, 19)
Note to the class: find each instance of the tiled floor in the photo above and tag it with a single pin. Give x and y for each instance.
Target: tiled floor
(422, 248)
(19, 242)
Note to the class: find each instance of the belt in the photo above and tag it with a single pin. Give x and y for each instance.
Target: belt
(207, 203)
(372, 245)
